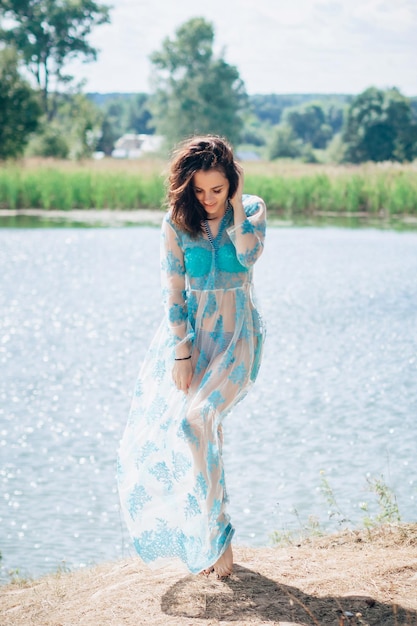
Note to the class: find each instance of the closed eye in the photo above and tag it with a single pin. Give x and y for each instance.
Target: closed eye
(196, 190)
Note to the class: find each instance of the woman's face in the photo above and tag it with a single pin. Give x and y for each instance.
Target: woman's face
(211, 189)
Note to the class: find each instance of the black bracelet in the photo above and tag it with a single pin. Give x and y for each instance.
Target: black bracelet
(185, 358)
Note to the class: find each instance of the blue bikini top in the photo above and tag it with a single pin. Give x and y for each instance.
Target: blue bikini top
(198, 260)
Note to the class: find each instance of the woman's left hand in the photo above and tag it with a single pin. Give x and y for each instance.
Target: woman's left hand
(236, 199)
(239, 214)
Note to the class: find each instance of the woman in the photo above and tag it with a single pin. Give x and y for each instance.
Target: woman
(200, 364)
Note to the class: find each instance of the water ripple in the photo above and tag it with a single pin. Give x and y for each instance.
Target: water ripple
(337, 390)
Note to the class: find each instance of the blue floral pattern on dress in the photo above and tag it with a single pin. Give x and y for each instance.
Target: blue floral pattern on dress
(181, 465)
(192, 508)
(170, 469)
(137, 500)
(146, 450)
(161, 472)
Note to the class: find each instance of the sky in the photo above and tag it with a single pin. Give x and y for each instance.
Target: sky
(278, 46)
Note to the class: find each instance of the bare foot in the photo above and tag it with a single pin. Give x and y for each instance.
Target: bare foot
(207, 572)
(224, 565)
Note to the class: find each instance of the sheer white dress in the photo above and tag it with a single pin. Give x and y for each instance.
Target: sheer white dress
(170, 470)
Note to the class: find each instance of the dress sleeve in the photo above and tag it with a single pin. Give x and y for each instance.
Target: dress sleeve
(173, 288)
(248, 237)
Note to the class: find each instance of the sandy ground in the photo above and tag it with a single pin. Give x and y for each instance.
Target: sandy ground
(366, 578)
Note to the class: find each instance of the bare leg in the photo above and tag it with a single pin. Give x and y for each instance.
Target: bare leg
(230, 390)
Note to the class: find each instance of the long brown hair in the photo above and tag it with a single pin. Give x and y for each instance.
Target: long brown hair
(195, 154)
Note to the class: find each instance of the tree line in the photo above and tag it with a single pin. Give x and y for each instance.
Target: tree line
(193, 90)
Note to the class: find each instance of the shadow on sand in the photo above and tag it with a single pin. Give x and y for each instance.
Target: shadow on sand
(249, 597)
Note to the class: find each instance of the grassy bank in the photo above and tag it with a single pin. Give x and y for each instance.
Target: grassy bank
(361, 578)
(56, 188)
(288, 188)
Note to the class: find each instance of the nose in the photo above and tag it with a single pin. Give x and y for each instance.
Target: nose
(208, 199)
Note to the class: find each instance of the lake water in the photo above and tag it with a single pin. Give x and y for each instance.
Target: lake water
(337, 389)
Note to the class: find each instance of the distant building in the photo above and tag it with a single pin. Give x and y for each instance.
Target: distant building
(133, 146)
(247, 155)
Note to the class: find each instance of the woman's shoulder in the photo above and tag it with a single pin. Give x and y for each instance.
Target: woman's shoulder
(170, 228)
(169, 221)
(169, 224)
(168, 218)
(252, 204)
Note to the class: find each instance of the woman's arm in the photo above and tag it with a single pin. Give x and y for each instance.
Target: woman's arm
(248, 232)
(174, 297)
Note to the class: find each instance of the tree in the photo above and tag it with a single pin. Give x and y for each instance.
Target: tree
(74, 132)
(107, 137)
(82, 121)
(254, 132)
(19, 107)
(270, 108)
(284, 143)
(139, 118)
(335, 114)
(413, 104)
(48, 34)
(122, 113)
(309, 124)
(50, 142)
(380, 127)
(115, 113)
(195, 92)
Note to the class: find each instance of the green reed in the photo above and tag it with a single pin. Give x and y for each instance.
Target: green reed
(46, 188)
(357, 191)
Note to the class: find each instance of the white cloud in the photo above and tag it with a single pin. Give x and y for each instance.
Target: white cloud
(288, 45)
(396, 16)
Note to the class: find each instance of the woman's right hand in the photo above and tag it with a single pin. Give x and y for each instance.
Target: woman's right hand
(182, 373)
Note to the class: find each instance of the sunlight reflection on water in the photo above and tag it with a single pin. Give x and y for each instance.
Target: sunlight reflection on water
(337, 390)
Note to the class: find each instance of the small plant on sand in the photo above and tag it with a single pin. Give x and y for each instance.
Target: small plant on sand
(334, 511)
(63, 569)
(389, 512)
(282, 537)
(17, 578)
(310, 528)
